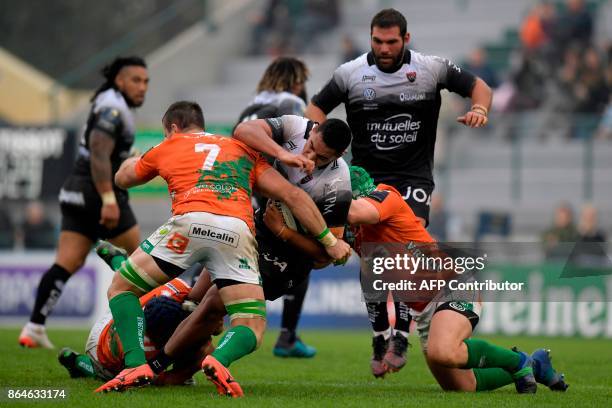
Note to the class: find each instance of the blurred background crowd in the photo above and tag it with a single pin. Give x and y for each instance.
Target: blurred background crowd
(546, 153)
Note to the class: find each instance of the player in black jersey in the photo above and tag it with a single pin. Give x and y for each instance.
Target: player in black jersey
(92, 205)
(281, 91)
(392, 100)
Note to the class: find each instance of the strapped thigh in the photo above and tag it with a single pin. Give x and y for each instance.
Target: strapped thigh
(246, 309)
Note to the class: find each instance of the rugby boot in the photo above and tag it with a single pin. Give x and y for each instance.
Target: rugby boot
(219, 375)
(524, 380)
(379, 348)
(298, 349)
(395, 357)
(34, 336)
(545, 373)
(67, 358)
(129, 378)
(108, 251)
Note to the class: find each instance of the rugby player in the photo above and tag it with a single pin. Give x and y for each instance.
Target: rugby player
(210, 180)
(282, 91)
(457, 361)
(286, 256)
(392, 100)
(92, 205)
(163, 311)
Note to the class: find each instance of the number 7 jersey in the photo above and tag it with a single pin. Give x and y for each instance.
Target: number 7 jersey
(205, 173)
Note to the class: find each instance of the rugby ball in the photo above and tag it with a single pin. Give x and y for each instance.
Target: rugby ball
(286, 213)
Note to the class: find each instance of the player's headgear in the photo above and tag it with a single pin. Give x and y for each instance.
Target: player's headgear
(162, 315)
(336, 134)
(110, 71)
(361, 182)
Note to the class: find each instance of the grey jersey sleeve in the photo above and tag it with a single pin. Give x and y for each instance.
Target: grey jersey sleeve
(452, 77)
(335, 201)
(109, 121)
(287, 127)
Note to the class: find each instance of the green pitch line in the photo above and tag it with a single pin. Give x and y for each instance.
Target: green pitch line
(338, 376)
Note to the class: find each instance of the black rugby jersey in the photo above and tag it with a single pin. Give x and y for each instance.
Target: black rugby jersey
(111, 115)
(393, 116)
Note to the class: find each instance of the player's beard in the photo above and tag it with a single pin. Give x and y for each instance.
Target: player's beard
(130, 102)
(397, 61)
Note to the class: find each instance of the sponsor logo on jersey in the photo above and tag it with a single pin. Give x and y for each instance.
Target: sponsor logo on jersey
(208, 232)
(394, 131)
(411, 76)
(411, 97)
(291, 145)
(331, 195)
(369, 94)
(243, 263)
(368, 78)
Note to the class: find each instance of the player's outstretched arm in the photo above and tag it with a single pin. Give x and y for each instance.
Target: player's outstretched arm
(308, 245)
(273, 185)
(257, 134)
(126, 176)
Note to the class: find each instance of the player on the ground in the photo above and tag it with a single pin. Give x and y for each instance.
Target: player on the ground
(282, 91)
(163, 311)
(92, 205)
(210, 179)
(457, 361)
(392, 100)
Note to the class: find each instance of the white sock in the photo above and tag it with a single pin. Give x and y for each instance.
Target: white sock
(36, 326)
(385, 333)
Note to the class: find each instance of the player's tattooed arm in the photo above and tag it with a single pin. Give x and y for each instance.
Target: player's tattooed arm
(101, 146)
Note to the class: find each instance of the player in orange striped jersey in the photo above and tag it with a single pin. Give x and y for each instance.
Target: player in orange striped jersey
(210, 179)
(163, 310)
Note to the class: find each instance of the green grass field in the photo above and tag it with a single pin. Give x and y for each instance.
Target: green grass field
(337, 376)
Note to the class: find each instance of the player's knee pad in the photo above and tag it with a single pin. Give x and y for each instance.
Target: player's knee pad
(137, 276)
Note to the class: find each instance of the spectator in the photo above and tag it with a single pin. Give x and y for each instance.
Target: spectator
(38, 231)
(478, 65)
(7, 229)
(532, 33)
(562, 231)
(588, 229)
(350, 51)
(575, 25)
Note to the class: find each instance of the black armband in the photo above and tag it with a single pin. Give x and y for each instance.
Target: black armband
(276, 124)
(329, 97)
(459, 80)
(108, 120)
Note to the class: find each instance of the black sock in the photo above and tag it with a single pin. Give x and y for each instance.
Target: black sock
(160, 362)
(292, 309)
(378, 316)
(49, 290)
(402, 317)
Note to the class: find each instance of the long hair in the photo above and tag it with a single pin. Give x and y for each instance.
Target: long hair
(283, 74)
(110, 72)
